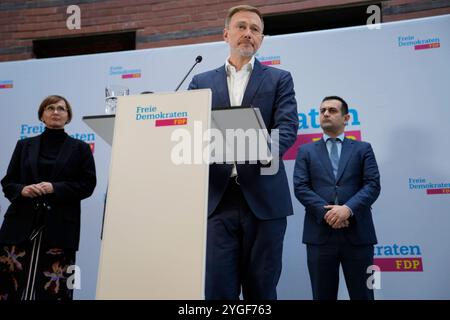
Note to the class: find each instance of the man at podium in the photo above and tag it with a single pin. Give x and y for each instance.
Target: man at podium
(247, 210)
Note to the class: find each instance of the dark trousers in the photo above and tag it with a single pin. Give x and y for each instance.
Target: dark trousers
(323, 265)
(242, 251)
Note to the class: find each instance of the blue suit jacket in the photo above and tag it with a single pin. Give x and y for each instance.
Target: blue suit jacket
(272, 91)
(357, 185)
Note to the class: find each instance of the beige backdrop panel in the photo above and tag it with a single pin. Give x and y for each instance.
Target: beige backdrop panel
(154, 238)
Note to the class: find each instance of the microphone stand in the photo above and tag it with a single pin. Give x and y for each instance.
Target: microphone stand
(197, 60)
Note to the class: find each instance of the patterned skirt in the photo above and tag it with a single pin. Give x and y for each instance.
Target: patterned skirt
(34, 271)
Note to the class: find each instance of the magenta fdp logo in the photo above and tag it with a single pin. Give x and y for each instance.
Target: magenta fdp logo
(269, 60)
(398, 258)
(430, 187)
(162, 119)
(6, 84)
(419, 43)
(124, 73)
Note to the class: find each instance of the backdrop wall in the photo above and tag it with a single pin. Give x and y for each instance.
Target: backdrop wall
(395, 80)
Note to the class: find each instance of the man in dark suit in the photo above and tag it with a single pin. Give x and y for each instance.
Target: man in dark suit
(337, 181)
(247, 210)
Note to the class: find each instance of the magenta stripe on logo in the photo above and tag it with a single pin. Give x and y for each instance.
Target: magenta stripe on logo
(271, 62)
(399, 264)
(439, 191)
(131, 75)
(427, 46)
(171, 122)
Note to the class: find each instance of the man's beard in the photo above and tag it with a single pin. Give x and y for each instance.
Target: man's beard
(248, 53)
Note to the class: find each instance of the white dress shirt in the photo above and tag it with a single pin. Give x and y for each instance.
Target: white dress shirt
(237, 83)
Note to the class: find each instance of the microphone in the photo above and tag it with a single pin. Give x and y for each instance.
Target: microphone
(197, 60)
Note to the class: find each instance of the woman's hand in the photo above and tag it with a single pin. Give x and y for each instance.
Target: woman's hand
(47, 187)
(36, 190)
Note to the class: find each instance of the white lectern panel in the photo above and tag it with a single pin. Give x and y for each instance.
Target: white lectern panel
(154, 237)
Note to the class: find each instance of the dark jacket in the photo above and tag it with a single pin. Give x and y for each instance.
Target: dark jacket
(73, 179)
(357, 185)
(272, 91)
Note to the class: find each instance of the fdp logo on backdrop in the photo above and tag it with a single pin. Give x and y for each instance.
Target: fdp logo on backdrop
(270, 60)
(31, 130)
(398, 258)
(309, 121)
(6, 84)
(162, 119)
(417, 43)
(430, 187)
(124, 73)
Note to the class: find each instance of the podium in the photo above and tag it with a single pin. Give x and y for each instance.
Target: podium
(154, 233)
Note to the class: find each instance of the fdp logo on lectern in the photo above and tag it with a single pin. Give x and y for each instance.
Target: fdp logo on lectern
(398, 258)
(161, 119)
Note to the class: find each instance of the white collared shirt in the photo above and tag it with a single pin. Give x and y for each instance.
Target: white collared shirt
(237, 83)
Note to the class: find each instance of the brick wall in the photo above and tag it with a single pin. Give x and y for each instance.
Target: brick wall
(160, 23)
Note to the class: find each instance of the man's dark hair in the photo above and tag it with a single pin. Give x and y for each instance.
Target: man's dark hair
(344, 105)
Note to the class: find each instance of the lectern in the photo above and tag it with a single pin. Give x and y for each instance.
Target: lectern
(154, 234)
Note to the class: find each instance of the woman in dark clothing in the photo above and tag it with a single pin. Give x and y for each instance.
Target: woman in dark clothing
(46, 180)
